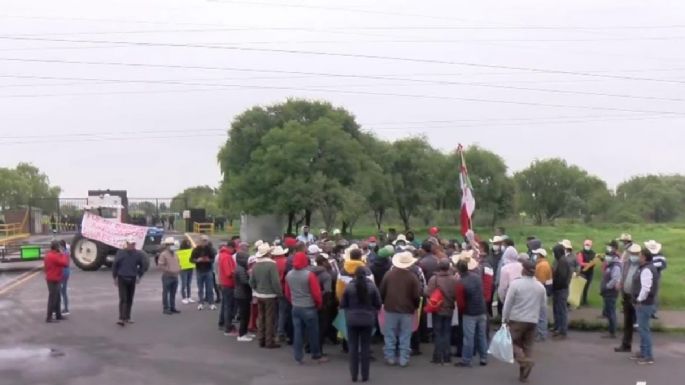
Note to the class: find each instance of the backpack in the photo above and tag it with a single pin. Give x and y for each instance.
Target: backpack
(435, 301)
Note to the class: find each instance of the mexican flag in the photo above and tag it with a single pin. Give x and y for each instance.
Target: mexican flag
(468, 202)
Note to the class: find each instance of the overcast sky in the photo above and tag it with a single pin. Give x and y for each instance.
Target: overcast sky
(138, 94)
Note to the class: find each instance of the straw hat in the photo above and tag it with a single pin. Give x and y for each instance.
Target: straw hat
(278, 250)
(263, 249)
(400, 238)
(497, 239)
(542, 252)
(625, 237)
(403, 260)
(567, 244)
(314, 249)
(169, 241)
(466, 256)
(653, 246)
(634, 248)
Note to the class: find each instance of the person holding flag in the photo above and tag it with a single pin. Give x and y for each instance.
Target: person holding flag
(468, 201)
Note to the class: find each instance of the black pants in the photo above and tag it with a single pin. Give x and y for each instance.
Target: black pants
(360, 350)
(628, 321)
(457, 338)
(243, 305)
(588, 275)
(326, 317)
(54, 301)
(127, 289)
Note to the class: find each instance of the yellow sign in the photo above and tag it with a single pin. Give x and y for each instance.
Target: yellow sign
(184, 259)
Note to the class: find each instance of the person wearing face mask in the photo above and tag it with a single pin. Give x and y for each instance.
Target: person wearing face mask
(372, 250)
(611, 278)
(585, 258)
(630, 268)
(645, 289)
(626, 241)
(495, 259)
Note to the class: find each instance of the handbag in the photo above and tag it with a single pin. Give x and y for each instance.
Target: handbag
(435, 301)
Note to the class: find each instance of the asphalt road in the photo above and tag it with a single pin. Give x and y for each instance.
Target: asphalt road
(188, 349)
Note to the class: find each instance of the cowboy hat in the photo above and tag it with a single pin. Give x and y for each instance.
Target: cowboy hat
(263, 249)
(400, 238)
(336, 232)
(567, 244)
(168, 241)
(313, 249)
(131, 240)
(466, 256)
(542, 252)
(323, 231)
(403, 260)
(258, 243)
(497, 239)
(653, 246)
(625, 237)
(635, 248)
(278, 250)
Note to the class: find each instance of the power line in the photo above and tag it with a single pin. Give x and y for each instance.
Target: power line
(339, 75)
(348, 55)
(82, 140)
(357, 92)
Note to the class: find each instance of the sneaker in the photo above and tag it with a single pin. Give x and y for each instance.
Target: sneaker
(66, 312)
(185, 301)
(174, 311)
(645, 361)
(190, 300)
(635, 357)
(622, 349)
(212, 307)
(200, 307)
(167, 312)
(390, 362)
(120, 323)
(251, 335)
(245, 338)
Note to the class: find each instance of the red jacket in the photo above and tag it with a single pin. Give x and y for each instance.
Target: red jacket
(226, 268)
(281, 261)
(54, 264)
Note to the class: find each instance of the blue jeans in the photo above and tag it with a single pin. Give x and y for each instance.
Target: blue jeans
(609, 312)
(442, 328)
(186, 279)
(63, 292)
(542, 322)
(205, 287)
(559, 300)
(227, 312)
(306, 319)
(644, 315)
(169, 288)
(474, 333)
(398, 328)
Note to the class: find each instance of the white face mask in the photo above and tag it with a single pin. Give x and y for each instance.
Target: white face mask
(587, 248)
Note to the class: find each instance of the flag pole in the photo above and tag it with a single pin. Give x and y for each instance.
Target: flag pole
(460, 150)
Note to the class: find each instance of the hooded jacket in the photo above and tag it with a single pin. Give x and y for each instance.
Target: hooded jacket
(324, 277)
(561, 272)
(301, 285)
(358, 313)
(511, 270)
(241, 278)
(347, 274)
(200, 252)
(226, 268)
(379, 267)
(54, 264)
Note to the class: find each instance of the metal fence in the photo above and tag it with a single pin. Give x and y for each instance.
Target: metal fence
(66, 214)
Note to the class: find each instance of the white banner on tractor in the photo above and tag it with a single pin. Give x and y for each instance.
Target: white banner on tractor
(111, 233)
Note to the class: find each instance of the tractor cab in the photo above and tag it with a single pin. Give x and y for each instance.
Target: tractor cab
(106, 206)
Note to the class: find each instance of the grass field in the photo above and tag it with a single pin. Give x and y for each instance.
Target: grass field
(671, 236)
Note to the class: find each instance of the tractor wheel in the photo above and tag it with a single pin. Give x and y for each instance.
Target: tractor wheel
(87, 254)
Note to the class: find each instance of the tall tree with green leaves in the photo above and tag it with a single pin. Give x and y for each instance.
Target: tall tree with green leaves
(27, 185)
(550, 189)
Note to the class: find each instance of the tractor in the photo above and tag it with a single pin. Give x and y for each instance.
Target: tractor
(90, 254)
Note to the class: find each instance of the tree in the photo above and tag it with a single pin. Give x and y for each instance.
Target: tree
(380, 189)
(413, 175)
(25, 185)
(652, 197)
(204, 197)
(549, 189)
(493, 189)
(291, 158)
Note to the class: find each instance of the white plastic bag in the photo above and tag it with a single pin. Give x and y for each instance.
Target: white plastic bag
(501, 346)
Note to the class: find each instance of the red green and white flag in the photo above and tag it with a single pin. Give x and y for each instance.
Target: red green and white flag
(468, 202)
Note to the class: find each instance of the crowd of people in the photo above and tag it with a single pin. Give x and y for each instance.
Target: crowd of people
(308, 291)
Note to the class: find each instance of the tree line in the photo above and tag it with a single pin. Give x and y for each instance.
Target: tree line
(302, 157)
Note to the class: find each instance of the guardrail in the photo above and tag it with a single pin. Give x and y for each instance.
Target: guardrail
(204, 228)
